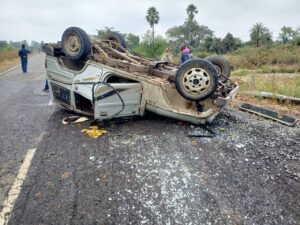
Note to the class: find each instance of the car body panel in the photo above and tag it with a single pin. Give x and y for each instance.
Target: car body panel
(142, 92)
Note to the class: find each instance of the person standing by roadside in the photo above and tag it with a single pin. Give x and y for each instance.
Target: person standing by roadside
(185, 53)
(167, 56)
(46, 88)
(23, 53)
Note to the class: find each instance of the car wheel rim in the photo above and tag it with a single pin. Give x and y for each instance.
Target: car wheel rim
(196, 81)
(73, 44)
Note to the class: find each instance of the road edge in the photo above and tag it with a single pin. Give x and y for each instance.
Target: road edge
(16, 188)
(17, 66)
(12, 68)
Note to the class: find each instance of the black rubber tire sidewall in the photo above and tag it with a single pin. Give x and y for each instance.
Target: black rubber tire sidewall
(118, 38)
(197, 63)
(84, 41)
(221, 62)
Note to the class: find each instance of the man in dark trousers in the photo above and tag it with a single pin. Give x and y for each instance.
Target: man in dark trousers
(23, 53)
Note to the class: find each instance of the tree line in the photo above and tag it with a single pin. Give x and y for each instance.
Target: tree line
(33, 45)
(200, 37)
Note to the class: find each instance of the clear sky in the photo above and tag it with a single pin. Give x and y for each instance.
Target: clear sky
(47, 19)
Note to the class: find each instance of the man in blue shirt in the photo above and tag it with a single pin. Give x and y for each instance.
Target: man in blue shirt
(23, 53)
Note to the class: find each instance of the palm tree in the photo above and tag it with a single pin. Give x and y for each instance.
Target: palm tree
(191, 10)
(152, 18)
(260, 34)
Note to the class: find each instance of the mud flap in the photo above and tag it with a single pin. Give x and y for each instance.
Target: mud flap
(283, 119)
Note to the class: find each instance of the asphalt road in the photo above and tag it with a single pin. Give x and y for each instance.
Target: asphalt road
(24, 113)
(145, 171)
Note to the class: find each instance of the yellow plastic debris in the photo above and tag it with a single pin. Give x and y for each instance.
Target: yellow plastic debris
(94, 131)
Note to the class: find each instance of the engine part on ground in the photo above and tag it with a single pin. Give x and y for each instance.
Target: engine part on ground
(200, 131)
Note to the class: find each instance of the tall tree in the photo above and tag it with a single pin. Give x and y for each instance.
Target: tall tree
(260, 34)
(190, 32)
(228, 43)
(286, 34)
(152, 18)
(191, 10)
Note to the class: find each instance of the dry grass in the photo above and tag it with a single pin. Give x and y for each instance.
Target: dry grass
(8, 58)
(7, 64)
(280, 58)
(8, 54)
(285, 84)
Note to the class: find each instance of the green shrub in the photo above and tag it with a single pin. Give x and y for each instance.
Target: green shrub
(147, 48)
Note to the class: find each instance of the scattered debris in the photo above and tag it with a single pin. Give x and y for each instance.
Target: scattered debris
(240, 145)
(200, 131)
(283, 119)
(94, 131)
(222, 129)
(74, 119)
(65, 175)
(194, 142)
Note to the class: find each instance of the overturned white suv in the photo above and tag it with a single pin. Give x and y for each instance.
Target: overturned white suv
(101, 78)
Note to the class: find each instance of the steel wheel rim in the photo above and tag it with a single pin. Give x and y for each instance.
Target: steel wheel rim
(73, 45)
(196, 81)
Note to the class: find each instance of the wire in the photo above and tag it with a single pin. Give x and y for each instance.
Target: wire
(120, 97)
(115, 90)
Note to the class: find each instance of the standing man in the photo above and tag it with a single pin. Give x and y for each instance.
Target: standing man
(23, 53)
(185, 53)
(167, 56)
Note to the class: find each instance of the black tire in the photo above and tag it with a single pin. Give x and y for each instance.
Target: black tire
(196, 79)
(76, 43)
(117, 38)
(222, 66)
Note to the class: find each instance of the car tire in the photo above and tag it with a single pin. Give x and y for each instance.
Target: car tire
(222, 66)
(76, 43)
(117, 38)
(196, 79)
